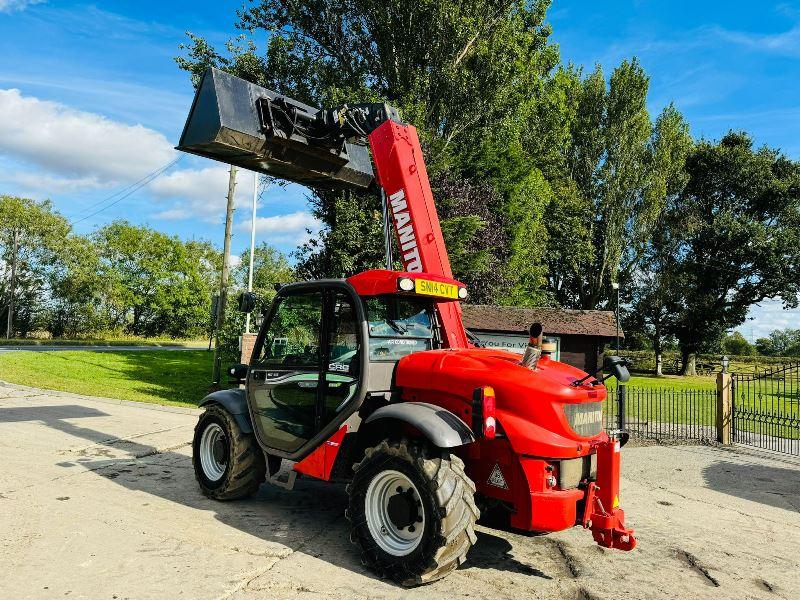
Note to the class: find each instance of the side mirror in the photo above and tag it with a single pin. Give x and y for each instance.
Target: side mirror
(238, 372)
(618, 366)
(248, 302)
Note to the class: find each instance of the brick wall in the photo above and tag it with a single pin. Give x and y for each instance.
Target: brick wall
(248, 340)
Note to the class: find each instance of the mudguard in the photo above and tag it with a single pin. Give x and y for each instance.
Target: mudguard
(438, 425)
(235, 402)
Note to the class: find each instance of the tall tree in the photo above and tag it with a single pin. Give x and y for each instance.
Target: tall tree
(462, 73)
(611, 171)
(739, 225)
(31, 234)
(649, 260)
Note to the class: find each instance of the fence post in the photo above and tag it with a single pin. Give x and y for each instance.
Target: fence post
(621, 405)
(724, 408)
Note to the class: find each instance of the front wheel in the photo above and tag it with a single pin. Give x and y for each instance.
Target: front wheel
(228, 463)
(412, 511)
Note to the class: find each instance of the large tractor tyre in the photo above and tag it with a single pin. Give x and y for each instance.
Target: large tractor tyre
(412, 512)
(228, 463)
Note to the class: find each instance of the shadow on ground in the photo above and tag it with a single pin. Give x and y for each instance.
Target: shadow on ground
(310, 518)
(771, 485)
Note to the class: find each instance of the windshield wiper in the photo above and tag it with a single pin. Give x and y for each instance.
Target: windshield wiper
(401, 329)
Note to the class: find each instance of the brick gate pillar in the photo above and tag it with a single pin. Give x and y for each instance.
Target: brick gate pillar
(246, 343)
(724, 408)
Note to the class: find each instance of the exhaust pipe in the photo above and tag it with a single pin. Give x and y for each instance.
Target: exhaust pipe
(534, 350)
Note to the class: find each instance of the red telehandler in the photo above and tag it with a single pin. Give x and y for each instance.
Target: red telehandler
(372, 380)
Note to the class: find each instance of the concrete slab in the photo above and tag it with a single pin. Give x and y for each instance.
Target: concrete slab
(98, 500)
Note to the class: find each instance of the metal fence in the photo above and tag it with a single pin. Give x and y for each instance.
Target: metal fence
(665, 414)
(766, 409)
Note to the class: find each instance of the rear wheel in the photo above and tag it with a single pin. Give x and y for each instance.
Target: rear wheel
(228, 463)
(412, 511)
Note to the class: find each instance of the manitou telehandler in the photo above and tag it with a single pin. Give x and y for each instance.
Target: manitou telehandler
(372, 380)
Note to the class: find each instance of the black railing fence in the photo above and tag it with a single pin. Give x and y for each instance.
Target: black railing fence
(664, 413)
(766, 409)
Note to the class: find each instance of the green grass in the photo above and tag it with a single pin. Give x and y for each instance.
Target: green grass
(175, 378)
(123, 341)
(659, 401)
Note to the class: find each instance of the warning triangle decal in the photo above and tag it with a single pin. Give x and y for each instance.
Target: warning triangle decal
(496, 478)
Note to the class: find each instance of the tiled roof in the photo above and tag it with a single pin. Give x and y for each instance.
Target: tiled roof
(512, 319)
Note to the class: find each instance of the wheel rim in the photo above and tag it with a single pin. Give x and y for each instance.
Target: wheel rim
(395, 514)
(214, 452)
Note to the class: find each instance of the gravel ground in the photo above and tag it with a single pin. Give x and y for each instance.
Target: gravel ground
(98, 500)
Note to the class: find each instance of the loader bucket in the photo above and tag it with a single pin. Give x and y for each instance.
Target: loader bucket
(226, 123)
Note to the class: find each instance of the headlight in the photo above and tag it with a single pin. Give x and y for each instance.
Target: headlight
(462, 293)
(405, 284)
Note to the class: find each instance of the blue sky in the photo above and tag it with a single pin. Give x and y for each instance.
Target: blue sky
(91, 101)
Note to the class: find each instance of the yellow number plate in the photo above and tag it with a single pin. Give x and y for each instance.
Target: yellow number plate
(435, 288)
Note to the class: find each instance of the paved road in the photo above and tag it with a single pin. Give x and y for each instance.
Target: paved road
(4, 349)
(98, 500)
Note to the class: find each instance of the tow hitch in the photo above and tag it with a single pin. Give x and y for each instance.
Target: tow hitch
(601, 511)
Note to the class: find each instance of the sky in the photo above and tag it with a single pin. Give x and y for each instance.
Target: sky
(91, 102)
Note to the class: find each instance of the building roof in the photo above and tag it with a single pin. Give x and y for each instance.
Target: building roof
(556, 321)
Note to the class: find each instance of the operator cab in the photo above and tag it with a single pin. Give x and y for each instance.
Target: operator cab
(325, 345)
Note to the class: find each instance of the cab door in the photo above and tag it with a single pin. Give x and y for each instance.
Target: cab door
(283, 380)
(307, 368)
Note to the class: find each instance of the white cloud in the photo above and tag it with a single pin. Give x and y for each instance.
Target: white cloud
(786, 43)
(33, 182)
(7, 6)
(77, 146)
(284, 229)
(767, 317)
(199, 193)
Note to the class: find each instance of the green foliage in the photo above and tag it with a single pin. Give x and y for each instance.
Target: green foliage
(736, 345)
(781, 342)
(40, 234)
(463, 74)
(155, 283)
(737, 223)
(611, 172)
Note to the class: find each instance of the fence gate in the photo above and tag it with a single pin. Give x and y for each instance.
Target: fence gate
(766, 409)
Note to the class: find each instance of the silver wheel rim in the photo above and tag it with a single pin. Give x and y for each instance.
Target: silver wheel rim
(380, 493)
(213, 467)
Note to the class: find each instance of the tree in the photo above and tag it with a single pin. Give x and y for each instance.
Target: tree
(611, 171)
(462, 73)
(79, 290)
(156, 284)
(31, 234)
(738, 224)
(780, 342)
(737, 345)
(653, 290)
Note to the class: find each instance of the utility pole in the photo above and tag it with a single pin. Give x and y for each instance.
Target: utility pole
(615, 286)
(252, 247)
(223, 283)
(12, 284)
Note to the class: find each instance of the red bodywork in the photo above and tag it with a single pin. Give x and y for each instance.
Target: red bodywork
(534, 433)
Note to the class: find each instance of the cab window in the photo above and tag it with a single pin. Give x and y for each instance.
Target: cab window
(398, 326)
(293, 336)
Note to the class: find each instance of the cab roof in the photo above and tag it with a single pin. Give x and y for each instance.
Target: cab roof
(381, 281)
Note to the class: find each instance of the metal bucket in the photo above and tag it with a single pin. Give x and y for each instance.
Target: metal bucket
(226, 123)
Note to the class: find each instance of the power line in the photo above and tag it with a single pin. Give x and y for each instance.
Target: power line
(127, 187)
(131, 189)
